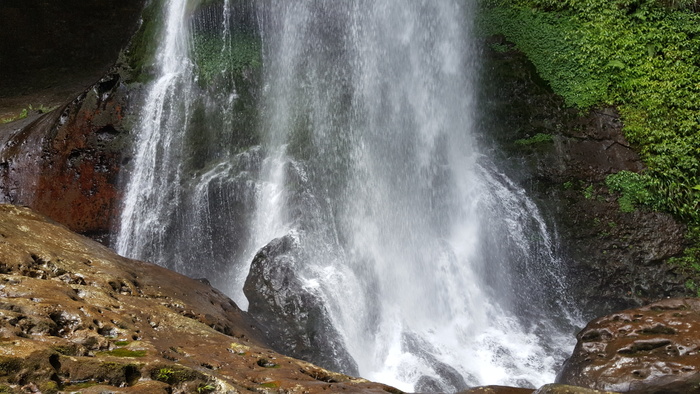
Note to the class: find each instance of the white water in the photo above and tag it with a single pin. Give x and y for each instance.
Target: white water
(436, 269)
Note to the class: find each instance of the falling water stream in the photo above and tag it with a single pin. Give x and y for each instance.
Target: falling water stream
(437, 271)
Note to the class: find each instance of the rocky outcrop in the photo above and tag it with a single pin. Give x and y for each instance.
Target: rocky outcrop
(614, 260)
(546, 389)
(652, 349)
(76, 317)
(293, 315)
(65, 164)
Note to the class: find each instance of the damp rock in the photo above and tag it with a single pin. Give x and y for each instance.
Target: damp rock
(652, 349)
(293, 316)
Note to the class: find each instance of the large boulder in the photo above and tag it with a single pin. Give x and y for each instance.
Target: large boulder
(652, 349)
(73, 315)
(292, 313)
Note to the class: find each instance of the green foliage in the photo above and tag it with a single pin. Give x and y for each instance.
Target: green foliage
(588, 192)
(634, 190)
(205, 388)
(642, 56)
(175, 374)
(41, 109)
(535, 139)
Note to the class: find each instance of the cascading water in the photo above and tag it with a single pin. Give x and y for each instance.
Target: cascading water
(435, 269)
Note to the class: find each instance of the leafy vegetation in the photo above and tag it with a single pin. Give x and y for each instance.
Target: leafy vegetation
(642, 56)
(535, 139)
(41, 109)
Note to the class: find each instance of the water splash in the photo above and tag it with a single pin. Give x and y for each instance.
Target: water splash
(438, 272)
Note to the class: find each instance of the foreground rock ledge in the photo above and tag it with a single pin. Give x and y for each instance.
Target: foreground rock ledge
(652, 349)
(75, 316)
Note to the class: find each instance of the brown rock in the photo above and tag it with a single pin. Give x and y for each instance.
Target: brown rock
(652, 349)
(497, 390)
(73, 314)
(566, 389)
(65, 164)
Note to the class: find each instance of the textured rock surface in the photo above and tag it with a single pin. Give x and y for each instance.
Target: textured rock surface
(497, 390)
(566, 389)
(65, 163)
(292, 315)
(652, 349)
(546, 389)
(616, 260)
(74, 314)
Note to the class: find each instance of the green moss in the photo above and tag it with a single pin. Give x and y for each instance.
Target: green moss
(538, 138)
(175, 374)
(9, 365)
(121, 352)
(141, 53)
(218, 60)
(206, 388)
(122, 343)
(49, 387)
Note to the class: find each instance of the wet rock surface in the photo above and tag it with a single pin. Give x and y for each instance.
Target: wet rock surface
(76, 317)
(65, 164)
(546, 389)
(291, 313)
(614, 260)
(652, 349)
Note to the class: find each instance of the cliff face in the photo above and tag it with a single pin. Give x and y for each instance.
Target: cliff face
(65, 163)
(614, 259)
(59, 55)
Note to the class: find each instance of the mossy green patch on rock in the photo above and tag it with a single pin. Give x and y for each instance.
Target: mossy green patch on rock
(122, 353)
(141, 52)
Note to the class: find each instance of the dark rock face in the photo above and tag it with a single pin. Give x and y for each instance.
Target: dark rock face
(74, 314)
(292, 315)
(47, 45)
(652, 349)
(65, 163)
(616, 260)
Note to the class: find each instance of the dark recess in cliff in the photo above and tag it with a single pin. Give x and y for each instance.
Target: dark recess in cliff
(52, 50)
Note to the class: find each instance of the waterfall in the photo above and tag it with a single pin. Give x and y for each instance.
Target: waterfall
(361, 141)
